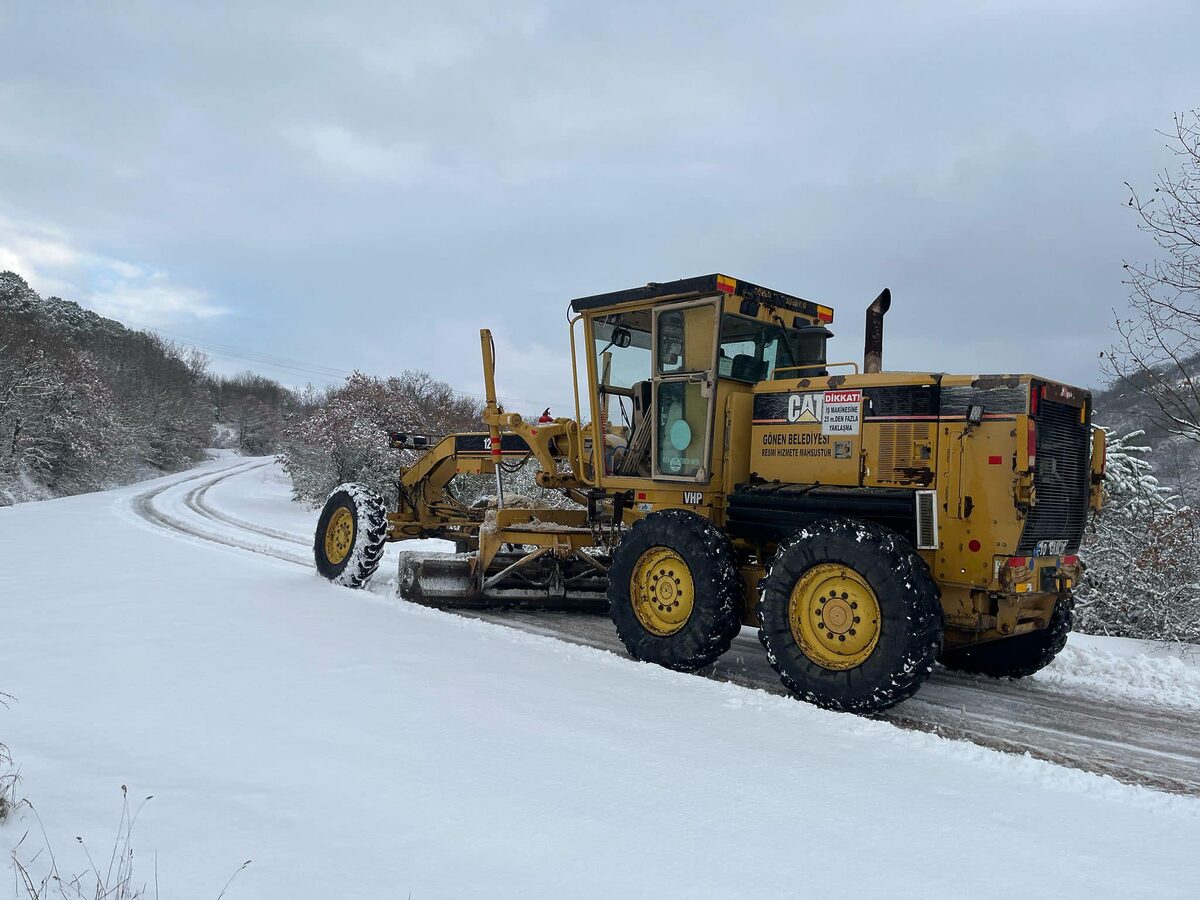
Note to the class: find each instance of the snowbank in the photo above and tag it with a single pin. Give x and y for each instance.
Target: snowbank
(1143, 671)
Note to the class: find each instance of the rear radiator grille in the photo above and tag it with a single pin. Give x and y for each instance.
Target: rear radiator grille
(1060, 479)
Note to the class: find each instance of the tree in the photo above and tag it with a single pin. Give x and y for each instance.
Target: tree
(1157, 352)
(58, 424)
(86, 403)
(1143, 572)
(254, 409)
(345, 435)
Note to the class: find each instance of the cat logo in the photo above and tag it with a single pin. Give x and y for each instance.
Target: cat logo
(693, 498)
(805, 407)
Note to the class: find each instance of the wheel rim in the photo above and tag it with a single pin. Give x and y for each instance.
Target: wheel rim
(339, 535)
(662, 591)
(834, 616)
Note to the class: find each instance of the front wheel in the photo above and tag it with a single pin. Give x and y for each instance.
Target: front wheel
(1016, 657)
(850, 616)
(351, 534)
(674, 591)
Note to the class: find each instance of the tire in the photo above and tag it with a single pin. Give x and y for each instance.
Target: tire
(1016, 657)
(872, 639)
(685, 549)
(351, 534)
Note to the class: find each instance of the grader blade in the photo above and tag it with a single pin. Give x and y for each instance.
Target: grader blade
(516, 580)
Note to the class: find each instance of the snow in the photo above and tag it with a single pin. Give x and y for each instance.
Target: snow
(356, 746)
(1143, 671)
(261, 496)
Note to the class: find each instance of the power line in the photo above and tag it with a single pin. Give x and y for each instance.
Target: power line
(281, 362)
(255, 355)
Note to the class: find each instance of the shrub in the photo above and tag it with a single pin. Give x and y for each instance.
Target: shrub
(115, 881)
(344, 435)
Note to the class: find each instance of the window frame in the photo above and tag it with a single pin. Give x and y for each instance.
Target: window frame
(707, 378)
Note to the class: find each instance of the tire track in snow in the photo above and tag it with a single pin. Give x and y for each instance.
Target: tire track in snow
(1146, 745)
(195, 500)
(144, 506)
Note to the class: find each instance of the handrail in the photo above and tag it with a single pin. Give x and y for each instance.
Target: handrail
(574, 363)
(818, 366)
(578, 463)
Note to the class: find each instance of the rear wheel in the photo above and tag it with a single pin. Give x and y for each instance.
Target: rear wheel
(850, 616)
(1016, 657)
(351, 534)
(674, 592)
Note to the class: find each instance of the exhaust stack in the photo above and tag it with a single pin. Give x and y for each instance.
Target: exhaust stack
(873, 345)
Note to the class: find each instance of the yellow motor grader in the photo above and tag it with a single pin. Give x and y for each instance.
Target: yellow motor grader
(722, 472)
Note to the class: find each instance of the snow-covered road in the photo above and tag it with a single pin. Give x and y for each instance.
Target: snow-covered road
(1138, 733)
(358, 746)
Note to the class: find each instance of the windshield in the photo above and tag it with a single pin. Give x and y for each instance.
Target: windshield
(623, 366)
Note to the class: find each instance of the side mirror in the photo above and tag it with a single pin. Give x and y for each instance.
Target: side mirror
(622, 337)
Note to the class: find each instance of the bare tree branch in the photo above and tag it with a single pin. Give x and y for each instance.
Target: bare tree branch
(1157, 350)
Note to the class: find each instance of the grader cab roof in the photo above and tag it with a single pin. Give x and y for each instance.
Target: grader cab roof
(702, 286)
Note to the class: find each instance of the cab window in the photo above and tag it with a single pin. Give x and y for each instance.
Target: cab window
(685, 339)
(751, 350)
(623, 347)
(684, 347)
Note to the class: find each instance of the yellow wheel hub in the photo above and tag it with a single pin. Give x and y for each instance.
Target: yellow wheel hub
(662, 591)
(834, 616)
(339, 535)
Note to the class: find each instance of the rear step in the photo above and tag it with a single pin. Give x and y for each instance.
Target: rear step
(514, 581)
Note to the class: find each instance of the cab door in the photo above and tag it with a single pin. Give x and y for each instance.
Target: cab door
(684, 389)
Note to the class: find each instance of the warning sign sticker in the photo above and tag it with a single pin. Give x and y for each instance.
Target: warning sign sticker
(840, 412)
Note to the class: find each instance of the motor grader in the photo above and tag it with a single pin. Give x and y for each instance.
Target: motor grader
(722, 472)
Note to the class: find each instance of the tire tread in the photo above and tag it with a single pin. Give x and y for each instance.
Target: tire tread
(715, 619)
(370, 535)
(1020, 656)
(844, 690)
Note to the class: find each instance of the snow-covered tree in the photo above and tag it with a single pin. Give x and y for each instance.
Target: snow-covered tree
(252, 411)
(86, 403)
(1142, 554)
(58, 423)
(344, 437)
(1132, 492)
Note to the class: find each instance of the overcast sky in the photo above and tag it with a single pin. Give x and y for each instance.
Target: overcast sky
(365, 185)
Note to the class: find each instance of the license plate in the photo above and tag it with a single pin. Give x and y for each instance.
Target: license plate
(1050, 548)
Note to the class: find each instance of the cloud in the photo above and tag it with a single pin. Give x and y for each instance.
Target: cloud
(530, 375)
(53, 264)
(347, 152)
(152, 301)
(354, 179)
(31, 250)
